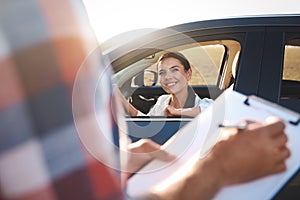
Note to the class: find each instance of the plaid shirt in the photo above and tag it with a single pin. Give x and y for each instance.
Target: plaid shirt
(42, 46)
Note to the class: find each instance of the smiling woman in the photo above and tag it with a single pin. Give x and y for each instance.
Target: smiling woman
(174, 72)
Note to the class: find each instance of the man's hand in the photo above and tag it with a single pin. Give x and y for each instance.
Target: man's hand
(143, 151)
(257, 151)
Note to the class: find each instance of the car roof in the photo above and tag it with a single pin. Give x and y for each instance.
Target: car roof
(116, 52)
(250, 20)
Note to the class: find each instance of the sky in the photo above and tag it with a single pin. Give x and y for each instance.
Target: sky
(110, 18)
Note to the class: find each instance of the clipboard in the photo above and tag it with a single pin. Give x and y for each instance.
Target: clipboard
(196, 138)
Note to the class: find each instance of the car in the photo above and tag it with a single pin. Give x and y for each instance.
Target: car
(254, 55)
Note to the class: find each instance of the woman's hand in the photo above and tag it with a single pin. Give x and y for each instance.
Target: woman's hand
(189, 112)
(172, 111)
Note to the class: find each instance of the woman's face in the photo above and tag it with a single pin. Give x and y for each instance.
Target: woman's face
(173, 78)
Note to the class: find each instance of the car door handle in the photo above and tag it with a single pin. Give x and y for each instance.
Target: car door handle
(146, 99)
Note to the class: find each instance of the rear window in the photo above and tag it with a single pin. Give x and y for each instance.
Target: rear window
(205, 60)
(290, 87)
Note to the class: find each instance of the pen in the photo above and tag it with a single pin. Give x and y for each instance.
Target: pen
(237, 125)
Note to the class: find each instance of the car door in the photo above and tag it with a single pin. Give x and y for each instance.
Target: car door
(280, 68)
(280, 81)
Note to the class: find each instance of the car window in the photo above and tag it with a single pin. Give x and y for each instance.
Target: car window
(290, 86)
(212, 66)
(206, 61)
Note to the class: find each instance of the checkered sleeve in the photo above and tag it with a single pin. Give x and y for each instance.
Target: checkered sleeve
(42, 47)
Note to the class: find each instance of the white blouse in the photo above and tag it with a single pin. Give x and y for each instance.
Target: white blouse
(163, 102)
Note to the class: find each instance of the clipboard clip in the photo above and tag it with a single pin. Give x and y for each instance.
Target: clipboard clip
(295, 122)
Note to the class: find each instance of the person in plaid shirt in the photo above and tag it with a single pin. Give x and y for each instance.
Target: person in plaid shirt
(50, 146)
(43, 44)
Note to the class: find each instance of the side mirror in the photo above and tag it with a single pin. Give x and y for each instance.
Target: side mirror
(145, 78)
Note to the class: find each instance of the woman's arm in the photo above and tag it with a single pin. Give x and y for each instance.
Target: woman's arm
(130, 109)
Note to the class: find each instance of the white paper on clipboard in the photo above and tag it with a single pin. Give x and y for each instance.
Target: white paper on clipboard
(194, 139)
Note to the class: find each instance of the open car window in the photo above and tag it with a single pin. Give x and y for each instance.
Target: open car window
(213, 65)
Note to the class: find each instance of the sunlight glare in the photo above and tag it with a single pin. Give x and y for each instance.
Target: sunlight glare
(110, 18)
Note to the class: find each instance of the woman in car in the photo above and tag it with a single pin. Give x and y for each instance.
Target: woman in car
(174, 72)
